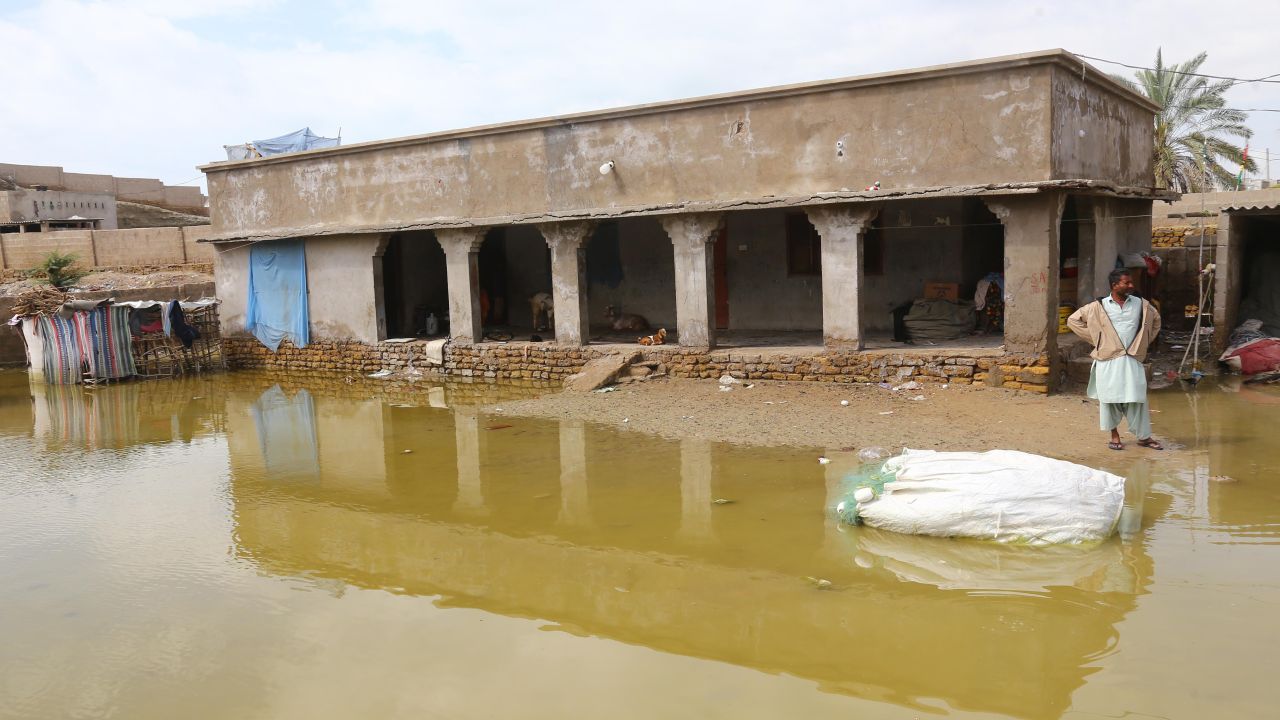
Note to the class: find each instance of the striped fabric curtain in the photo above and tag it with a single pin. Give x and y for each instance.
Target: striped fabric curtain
(94, 341)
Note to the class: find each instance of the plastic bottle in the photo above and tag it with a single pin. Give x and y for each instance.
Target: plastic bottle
(433, 325)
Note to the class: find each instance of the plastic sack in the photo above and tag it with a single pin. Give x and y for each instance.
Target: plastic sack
(1001, 495)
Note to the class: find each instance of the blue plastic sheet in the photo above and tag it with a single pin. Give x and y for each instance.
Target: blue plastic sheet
(278, 293)
(296, 141)
(287, 434)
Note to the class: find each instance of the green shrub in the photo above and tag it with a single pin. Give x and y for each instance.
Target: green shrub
(59, 270)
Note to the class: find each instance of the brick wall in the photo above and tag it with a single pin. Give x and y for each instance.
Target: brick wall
(550, 364)
(109, 248)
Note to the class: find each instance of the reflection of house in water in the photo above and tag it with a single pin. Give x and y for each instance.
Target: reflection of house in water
(121, 415)
(620, 539)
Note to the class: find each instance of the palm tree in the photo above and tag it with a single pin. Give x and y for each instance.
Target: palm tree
(1192, 126)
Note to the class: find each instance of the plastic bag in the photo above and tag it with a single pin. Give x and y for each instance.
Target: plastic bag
(1001, 495)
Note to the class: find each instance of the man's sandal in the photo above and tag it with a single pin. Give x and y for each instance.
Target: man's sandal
(1115, 445)
(1151, 443)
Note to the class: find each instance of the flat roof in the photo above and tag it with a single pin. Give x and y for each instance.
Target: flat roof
(1056, 56)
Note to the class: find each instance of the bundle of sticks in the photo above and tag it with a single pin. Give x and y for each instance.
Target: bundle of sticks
(39, 301)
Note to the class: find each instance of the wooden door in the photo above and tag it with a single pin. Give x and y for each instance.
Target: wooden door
(720, 263)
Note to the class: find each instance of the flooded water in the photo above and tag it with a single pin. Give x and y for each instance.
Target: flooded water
(227, 547)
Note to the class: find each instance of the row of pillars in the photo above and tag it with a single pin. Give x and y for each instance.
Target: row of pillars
(1031, 264)
(697, 471)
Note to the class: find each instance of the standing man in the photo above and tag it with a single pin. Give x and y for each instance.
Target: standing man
(1120, 327)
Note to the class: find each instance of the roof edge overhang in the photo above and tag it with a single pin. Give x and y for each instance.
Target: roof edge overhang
(1056, 57)
(1083, 187)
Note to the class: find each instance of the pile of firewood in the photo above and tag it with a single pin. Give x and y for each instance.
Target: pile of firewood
(39, 301)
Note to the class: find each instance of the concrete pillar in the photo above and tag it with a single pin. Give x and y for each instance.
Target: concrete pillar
(1031, 268)
(1228, 277)
(569, 279)
(693, 236)
(695, 490)
(461, 259)
(1106, 246)
(574, 500)
(841, 228)
(466, 429)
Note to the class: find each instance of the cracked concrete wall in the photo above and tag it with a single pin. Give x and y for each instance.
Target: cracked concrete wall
(343, 287)
(1099, 134)
(993, 126)
(762, 295)
(231, 280)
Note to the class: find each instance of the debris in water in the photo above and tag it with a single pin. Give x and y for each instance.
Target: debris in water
(824, 461)
(723, 501)
(1222, 479)
(405, 452)
(498, 427)
(820, 583)
(543, 496)
(872, 454)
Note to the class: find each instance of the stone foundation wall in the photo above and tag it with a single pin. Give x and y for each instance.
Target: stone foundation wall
(1182, 235)
(548, 365)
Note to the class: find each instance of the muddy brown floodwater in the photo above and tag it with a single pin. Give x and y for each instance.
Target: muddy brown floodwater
(254, 547)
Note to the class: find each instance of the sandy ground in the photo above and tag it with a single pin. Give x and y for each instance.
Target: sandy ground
(117, 281)
(811, 414)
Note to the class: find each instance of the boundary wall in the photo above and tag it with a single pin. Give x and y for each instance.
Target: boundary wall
(109, 248)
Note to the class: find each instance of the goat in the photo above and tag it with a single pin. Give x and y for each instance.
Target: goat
(658, 338)
(619, 320)
(543, 309)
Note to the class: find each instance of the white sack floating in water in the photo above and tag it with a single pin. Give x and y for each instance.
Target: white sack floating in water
(1001, 495)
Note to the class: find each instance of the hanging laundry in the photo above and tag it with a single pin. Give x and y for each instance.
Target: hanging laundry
(178, 323)
(61, 349)
(106, 344)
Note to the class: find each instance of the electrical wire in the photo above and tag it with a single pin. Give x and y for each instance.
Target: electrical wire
(1236, 80)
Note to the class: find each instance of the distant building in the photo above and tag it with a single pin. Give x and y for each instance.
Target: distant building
(41, 210)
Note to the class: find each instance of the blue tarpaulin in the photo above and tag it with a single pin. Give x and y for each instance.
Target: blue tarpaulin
(296, 141)
(278, 293)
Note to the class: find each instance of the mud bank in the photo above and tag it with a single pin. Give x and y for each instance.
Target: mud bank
(811, 414)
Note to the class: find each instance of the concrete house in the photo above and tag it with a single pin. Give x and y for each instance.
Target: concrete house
(772, 232)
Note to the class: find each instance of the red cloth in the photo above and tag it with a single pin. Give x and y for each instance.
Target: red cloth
(1153, 266)
(1257, 356)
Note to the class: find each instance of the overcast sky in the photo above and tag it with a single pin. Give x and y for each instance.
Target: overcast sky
(153, 88)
